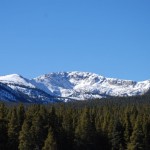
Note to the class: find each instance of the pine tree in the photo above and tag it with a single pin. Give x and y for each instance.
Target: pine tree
(118, 142)
(3, 111)
(53, 119)
(13, 131)
(3, 134)
(137, 138)
(25, 138)
(68, 135)
(54, 122)
(38, 131)
(128, 128)
(3, 127)
(147, 135)
(85, 132)
(21, 115)
(50, 142)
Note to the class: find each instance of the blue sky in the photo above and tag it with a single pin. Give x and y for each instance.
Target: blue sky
(107, 37)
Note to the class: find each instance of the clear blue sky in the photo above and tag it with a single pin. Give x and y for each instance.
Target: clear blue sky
(107, 37)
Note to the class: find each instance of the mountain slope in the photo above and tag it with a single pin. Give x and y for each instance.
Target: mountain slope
(21, 89)
(66, 86)
(84, 85)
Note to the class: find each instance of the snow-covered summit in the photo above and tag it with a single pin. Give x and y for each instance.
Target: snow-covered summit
(73, 85)
(15, 79)
(16, 88)
(85, 85)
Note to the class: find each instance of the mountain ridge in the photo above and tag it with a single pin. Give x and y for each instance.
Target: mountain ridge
(72, 85)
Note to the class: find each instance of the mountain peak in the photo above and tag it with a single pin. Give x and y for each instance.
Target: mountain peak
(15, 79)
(10, 77)
(76, 85)
(85, 85)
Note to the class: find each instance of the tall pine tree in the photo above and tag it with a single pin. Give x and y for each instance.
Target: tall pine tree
(50, 142)
(13, 130)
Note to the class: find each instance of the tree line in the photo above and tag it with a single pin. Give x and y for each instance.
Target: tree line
(101, 124)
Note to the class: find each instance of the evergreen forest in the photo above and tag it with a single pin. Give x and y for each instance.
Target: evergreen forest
(100, 124)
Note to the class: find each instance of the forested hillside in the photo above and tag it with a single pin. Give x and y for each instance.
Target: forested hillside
(106, 124)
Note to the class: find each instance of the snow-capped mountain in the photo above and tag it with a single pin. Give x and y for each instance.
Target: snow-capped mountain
(64, 86)
(17, 88)
(84, 85)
